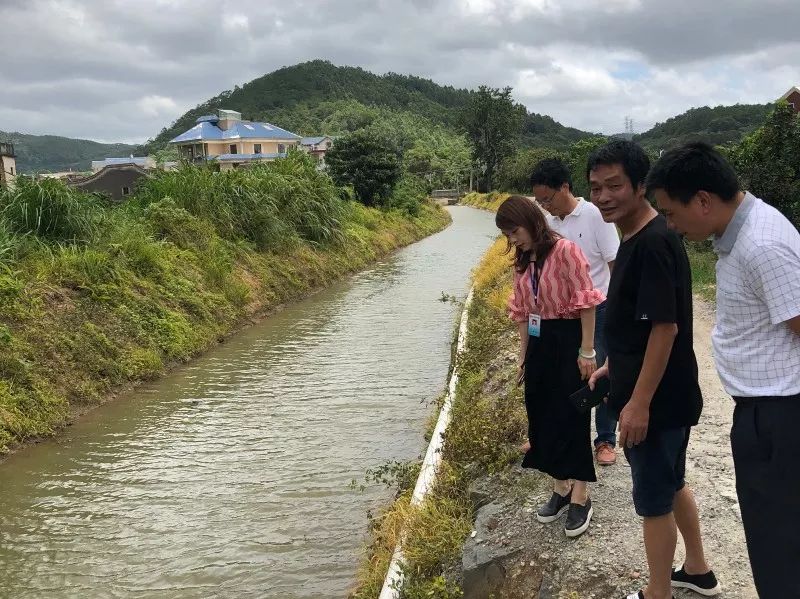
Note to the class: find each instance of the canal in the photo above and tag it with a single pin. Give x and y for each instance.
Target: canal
(230, 476)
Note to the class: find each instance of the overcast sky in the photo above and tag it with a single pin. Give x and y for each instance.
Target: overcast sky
(114, 70)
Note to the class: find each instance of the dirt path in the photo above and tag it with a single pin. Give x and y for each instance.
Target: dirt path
(608, 561)
(710, 470)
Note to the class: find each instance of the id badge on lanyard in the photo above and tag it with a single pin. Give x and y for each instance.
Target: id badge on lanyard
(535, 320)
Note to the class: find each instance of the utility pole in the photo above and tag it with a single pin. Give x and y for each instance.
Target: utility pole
(629, 126)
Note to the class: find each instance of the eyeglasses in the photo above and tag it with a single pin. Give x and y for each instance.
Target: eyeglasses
(547, 200)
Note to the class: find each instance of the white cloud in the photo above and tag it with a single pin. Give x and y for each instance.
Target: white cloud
(235, 22)
(158, 106)
(477, 7)
(120, 71)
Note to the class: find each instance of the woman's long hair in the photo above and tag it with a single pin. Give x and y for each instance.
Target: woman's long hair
(519, 211)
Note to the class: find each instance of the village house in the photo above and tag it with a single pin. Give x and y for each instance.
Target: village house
(8, 164)
(229, 142)
(317, 146)
(792, 97)
(145, 162)
(114, 178)
(115, 181)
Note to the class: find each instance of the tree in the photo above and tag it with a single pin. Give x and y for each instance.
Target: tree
(515, 171)
(768, 161)
(578, 157)
(492, 122)
(366, 162)
(717, 125)
(166, 154)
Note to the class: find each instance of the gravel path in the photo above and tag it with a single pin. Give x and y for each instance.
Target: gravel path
(608, 561)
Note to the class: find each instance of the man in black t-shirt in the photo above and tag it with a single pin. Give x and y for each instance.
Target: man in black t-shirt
(654, 285)
(652, 367)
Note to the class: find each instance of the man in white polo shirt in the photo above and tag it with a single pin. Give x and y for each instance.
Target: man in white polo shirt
(581, 222)
(756, 346)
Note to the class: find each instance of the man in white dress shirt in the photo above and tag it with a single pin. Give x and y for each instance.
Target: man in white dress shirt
(756, 342)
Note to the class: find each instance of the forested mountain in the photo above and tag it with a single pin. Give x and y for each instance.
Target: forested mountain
(718, 125)
(292, 92)
(541, 131)
(46, 153)
(300, 98)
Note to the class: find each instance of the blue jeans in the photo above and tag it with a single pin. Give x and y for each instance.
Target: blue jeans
(604, 422)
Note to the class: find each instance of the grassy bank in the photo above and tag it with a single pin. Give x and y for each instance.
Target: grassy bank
(486, 201)
(96, 297)
(704, 274)
(487, 426)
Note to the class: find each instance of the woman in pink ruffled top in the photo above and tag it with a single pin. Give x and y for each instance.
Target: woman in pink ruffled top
(553, 301)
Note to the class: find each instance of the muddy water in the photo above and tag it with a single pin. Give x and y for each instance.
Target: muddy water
(230, 477)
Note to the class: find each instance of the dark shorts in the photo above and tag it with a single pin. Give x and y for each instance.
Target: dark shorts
(658, 468)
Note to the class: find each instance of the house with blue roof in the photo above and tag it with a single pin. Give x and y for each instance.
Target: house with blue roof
(229, 142)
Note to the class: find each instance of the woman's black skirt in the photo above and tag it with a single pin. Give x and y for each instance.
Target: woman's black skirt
(560, 435)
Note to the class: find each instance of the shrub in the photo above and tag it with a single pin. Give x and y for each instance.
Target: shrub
(768, 161)
(170, 222)
(515, 171)
(408, 195)
(366, 162)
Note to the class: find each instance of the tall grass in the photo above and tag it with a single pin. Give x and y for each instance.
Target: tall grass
(8, 242)
(267, 204)
(307, 199)
(704, 274)
(51, 211)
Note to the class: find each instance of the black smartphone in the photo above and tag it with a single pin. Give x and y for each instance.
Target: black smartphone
(585, 399)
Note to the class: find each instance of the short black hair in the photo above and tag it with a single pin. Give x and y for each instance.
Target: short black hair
(630, 155)
(684, 171)
(552, 173)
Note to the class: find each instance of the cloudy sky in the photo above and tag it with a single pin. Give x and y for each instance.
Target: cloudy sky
(114, 70)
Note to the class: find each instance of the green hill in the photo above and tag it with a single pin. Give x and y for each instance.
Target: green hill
(48, 153)
(541, 131)
(302, 97)
(718, 125)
